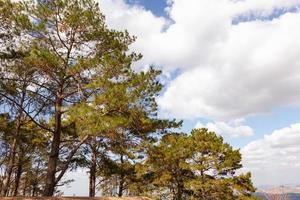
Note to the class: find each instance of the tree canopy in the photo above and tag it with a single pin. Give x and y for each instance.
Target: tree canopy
(197, 166)
(70, 98)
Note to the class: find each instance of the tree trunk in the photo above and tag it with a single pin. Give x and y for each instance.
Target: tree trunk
(121, 187)
(9, 169)
(34, 189)
(121, 184)
(18, 176)
(1, 184)
(179, 193)
(54, 153)
(36, 179)
(92, 186)
(15, 144)
(12, 156)
(24, 188)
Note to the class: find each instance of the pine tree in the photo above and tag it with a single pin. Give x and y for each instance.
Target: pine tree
(69, 96)
(79, 75)
(196, 166)
(67, 45)
(121, 125)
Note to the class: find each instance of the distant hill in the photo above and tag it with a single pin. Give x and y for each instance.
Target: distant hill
(293, 192)
(291, 196)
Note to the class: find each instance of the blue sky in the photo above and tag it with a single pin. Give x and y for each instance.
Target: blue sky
(263, 123)
(230, 66)
(259, 15)
(157, 7)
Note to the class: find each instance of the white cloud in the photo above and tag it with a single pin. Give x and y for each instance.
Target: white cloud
(275, 158)
(134, 18)
(235, 128)
(245, 69)
(227, 71)
(139, 22)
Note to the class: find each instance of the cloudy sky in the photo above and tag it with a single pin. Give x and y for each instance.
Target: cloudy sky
(232, 66)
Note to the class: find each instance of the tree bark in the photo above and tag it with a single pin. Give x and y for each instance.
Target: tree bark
(24, 188)
(18, 175)
(179, 193)
(121, 184)
(34, 186)
(12, 156)
(54, 153)
(92, 185)
(9, 169)
(34, 189)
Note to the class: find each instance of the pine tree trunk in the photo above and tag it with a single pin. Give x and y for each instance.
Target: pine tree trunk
(121, 184)
(12, 156)
(1, 183)
(52, 165)
(24, 188)
(54, 153)
(18, 176)
(179, 193)
(13, 152)
(34, 189)
(92, 186)
(9, 169)
(121, 187)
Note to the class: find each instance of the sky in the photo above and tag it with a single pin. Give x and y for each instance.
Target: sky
(232, 66)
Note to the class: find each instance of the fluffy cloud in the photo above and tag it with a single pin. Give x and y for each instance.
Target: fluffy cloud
(239, 70)
(134, 18)
(275, 157)
(235, 128)
(140, 23)
(227, 70)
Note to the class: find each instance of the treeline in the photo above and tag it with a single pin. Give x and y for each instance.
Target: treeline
(70, 99)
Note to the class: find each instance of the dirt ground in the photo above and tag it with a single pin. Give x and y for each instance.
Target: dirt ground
(73, 198)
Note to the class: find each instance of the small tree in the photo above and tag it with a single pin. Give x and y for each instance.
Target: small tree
(197, 166)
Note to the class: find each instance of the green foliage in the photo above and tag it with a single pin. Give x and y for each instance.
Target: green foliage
(196, 166)
(73, 100)
(30, 155)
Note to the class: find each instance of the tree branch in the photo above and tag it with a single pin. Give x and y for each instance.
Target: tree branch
(69, 159)
(27, 114)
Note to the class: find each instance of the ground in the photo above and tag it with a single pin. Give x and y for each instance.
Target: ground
(73, 198)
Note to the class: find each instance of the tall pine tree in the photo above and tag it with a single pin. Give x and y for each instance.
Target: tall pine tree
(80, 80)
